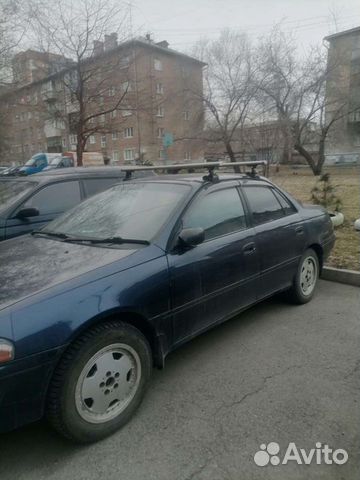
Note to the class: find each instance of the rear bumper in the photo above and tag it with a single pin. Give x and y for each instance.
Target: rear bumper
(23, 388)
(327, 247)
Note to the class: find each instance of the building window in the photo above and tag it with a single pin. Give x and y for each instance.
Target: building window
(63, 141)
(112, 92)
(129, 154)
(73, 139)
(103, 141)
(158, 65)
(115, 156)
(187, 156)
(114, 136)
(113, 114)
(127, 112)
(124, 62)
(129, 132)
(186, 115)
(92, 120)
(159, 88)
(161, 154)
(29, 115)
(92, 139)
(101, 100)
(160, 111)
(126, 86)
(102, 118)
(160, 132)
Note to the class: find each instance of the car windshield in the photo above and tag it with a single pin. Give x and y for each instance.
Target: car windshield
(130, 211)
(55, 161)
(12, 190)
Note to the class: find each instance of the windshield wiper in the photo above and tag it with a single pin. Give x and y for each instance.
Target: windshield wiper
(62, 236)
(114, 240)
(68, 238)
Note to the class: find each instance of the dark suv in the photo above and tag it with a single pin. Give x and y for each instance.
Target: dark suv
(28, 203)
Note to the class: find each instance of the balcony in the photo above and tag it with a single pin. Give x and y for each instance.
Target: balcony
(53, 128)
(48, 92)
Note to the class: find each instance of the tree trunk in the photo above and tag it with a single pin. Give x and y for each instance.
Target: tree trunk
(308, 157)
(321, 159)
(231, 154)
(79, 151)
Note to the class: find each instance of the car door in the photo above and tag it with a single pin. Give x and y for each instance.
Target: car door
(215, 279)
(51, 200)
(280, 236)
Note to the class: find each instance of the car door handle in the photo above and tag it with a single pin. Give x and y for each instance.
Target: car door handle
(249, 248)
(299, 230)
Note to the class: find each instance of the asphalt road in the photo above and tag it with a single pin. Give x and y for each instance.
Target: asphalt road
(276, 373)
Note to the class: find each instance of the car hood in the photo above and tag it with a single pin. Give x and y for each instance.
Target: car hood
(29, 264)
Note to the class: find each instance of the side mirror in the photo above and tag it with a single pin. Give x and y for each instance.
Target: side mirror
(190, 237)
(27, 212)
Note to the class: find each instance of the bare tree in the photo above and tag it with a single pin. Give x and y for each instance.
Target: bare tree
(86, 92)
(230, 91)
(295, 90)
(11, 33)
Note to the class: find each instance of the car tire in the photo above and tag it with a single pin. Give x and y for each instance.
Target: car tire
(99, 382)
(305, 281)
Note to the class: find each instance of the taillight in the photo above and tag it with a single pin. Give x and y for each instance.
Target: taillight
(6, 351)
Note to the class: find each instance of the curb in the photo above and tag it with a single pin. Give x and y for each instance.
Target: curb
(350, 277)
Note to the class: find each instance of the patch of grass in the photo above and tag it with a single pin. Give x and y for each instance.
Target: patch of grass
(346, 180)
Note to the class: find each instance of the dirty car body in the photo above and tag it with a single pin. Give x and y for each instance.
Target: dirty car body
(55, 289)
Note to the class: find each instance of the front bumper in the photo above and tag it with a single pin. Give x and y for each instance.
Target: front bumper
(23, 388)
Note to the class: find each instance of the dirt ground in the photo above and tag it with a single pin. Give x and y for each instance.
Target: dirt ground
(300, 181)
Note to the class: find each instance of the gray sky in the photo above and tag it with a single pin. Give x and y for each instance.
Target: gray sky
(182, 22)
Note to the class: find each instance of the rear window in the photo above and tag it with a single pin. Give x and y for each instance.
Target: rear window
(13, 190)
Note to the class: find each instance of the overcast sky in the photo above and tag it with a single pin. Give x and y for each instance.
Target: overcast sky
(182, 22)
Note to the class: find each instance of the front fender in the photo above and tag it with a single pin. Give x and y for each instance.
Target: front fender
(56, 321)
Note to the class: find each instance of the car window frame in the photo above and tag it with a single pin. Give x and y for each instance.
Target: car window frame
(270, 187)
(19, 206)
(203, 192)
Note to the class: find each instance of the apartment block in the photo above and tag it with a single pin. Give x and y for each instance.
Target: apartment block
(156, 91)
(343, 87)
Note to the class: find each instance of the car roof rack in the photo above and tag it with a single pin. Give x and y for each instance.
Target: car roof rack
(210, 166)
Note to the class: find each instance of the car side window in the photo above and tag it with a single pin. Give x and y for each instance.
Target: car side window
(284, 202)
(97, 185)
(218, 213)
(263, 204)
(55, 198)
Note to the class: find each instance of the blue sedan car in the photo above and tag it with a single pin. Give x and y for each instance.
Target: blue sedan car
(104, 292)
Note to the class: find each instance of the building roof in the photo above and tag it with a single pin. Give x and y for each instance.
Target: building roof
(161, 47)
(351, 31)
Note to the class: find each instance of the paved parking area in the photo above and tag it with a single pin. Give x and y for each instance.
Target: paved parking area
(276, 373)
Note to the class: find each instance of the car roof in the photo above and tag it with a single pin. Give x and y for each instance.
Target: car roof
(197, 178)
(94, 172)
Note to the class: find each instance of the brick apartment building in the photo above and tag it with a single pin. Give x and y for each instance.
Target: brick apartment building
(343, 143)
(157, 91)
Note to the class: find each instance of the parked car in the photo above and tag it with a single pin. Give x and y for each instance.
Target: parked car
(10, 171)
(38, 162)
(59, 162)
(108, 289)
(28, 203)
